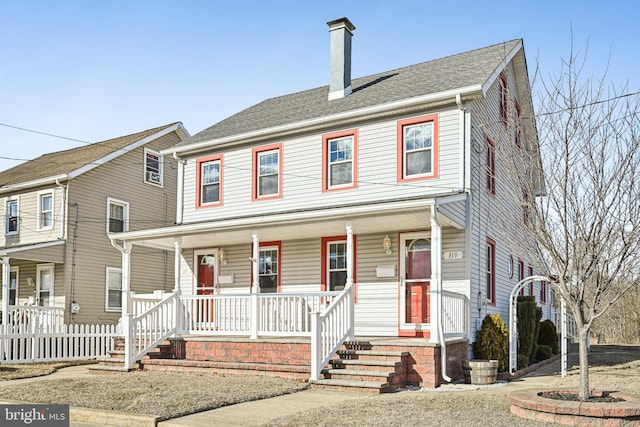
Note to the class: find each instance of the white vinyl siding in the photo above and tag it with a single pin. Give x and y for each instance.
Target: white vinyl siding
(302, 173)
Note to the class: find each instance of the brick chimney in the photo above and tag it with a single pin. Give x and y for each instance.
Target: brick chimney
(340, 59)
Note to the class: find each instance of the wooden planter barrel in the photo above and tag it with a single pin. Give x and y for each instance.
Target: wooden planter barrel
(479, 371)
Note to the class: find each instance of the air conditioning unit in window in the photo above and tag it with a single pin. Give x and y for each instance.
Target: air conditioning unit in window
(153, 177)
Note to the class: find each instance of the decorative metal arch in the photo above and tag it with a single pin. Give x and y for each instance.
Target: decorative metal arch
(513, 323)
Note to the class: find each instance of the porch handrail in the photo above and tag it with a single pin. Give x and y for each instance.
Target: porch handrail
(25, 317)
(454, 314)
(151, 327)
(330, 329)
(572, 326)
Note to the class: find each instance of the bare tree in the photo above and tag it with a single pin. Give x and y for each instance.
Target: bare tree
(582, 221)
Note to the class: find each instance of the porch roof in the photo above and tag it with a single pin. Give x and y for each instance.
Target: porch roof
(407, 214)
(41, 252)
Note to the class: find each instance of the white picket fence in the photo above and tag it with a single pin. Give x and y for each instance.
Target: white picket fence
(43, 343)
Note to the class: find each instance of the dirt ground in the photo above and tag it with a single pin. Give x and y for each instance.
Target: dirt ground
(612, 368)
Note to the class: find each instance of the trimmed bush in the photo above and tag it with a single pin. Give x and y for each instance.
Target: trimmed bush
(523, 361)
(492, 341)
(544, 352)
(548, 336)
(529, 315)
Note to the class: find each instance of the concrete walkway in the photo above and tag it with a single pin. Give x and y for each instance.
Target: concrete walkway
(251, 413)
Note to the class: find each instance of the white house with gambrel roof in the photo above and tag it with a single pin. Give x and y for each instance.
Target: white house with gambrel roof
(372, 193)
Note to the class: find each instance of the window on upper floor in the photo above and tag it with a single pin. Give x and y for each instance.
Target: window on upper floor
(11, 217)
(209, 178)
(531, 284)
(267, 172)
(269, 267)
(340, 160)
(491, 166)
(504, 99)
(518, 126)
(117, 216)
(418, 148)
(153, 165)
(45, 210)
(113, 297)
(521, 274)
(491, 272)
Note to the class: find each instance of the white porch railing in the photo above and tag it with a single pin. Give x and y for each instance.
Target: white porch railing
(144, 331)
(39, 343)
(572, 327)
(24, 318)
(454, 314)
(330, 329)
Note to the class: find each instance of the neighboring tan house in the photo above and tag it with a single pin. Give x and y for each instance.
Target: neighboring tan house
(59, 210)
(377, 185)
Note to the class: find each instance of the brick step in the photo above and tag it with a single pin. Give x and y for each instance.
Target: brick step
(366, 364)
(360, 375)
(350, 385)
(288, 371)
(372, 354)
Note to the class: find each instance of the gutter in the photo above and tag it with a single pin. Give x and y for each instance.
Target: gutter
(467, 91)
(35, 183)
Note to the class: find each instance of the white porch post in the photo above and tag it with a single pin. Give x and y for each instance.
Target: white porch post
(349, 281)
(127, 306)
(177, 244)
(255, 285)
(436, 276)
(6, 278)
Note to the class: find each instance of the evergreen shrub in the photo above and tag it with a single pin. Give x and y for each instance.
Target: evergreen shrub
(543, 352)
(492, 341)
(548, 336)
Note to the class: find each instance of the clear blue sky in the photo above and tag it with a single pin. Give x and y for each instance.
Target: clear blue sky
(94, 70)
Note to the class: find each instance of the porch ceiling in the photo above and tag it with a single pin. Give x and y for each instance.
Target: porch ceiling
(381, 218)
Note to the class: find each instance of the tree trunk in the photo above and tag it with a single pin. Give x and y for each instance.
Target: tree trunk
(583, 389)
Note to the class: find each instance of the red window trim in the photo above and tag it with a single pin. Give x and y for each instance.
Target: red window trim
(491, 299)
(323, 262)
(278, 244)
(254, 167)
(521, 274)
(504, 99)
(543, 291)
(531, 284)
(325, 160)
(491, 167)
(199, 163)
(400, 144)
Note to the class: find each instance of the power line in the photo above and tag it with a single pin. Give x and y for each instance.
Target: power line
(44, 133)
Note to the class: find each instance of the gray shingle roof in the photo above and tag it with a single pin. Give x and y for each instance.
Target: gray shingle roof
(64, 162)
(457, 71)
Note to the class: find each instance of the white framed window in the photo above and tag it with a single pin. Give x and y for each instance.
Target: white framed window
(209, 176)
(117, 216)
(45, 210)
(153, 167)
(340, 160)
(14, 279)
(267, 167)
(418, 148)
(268, 269)
(12, 219)
(44, 285)
(113, 297)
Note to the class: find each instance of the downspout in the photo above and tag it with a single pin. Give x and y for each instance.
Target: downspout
(180, 189)
(435, 218)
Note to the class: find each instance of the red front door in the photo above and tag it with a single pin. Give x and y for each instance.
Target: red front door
(205, 286)
(417, 277)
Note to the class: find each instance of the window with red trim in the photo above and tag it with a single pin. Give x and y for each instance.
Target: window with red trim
(334, 263)
(269, 267)
(209, 179)
(531, 283)
(543, 291)
(267, 172)
(418, 148)
(504, 99)
(491, 272)
(340, 160)
(521, 274)
(491, 166)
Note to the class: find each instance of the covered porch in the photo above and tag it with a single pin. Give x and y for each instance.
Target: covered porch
(324, 315)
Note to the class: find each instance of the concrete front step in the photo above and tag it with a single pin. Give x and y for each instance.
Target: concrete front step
(350, 385)
(361, 375)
